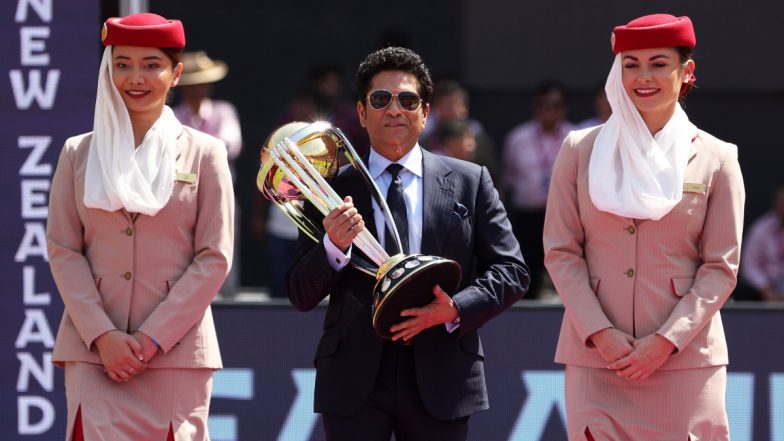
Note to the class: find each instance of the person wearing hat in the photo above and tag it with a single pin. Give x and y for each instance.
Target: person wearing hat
(139, 240)
(214, 117)
(642, 240)
(198, 110)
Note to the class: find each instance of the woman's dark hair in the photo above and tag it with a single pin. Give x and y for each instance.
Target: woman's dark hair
(174, 54)
(685, 53)
(394, 58)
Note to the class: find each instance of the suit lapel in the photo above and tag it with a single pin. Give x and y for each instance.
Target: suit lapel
(437, 195)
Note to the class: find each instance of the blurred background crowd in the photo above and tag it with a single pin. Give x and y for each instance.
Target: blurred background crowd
(512, 80)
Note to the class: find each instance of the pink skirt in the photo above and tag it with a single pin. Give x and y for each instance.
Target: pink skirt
(143, 408)
(670, 405)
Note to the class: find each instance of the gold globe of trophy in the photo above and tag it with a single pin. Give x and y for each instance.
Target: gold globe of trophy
(296, 162)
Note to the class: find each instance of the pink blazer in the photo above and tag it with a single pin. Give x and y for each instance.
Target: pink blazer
(668, 277)
(157, 275)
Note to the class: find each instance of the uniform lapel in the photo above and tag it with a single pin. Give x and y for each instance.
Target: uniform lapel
(695, 150)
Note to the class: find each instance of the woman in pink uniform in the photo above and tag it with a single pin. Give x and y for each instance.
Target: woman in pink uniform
(642, 240)
(139, 240)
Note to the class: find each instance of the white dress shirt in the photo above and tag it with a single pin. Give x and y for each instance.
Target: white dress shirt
(411, 175)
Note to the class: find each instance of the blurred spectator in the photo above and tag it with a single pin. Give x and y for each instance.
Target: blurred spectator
(601, 107)
(303, 107)
(321, 99)
(217, 118)
(450, 101)
(278, 234)
(327, 80)
(458, 140)
(762, 265)
(198, 110)
(528, 157)
(269, 224)
(324, 99)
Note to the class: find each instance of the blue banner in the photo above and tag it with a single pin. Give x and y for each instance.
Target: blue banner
(50, 61)
(266, 390)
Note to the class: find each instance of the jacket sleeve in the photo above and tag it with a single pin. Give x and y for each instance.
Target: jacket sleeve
(503, 276)
(213, 243)
(720, 246)
(69, 266)
(563, 242)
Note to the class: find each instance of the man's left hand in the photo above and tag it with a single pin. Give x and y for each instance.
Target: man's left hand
(441, 310)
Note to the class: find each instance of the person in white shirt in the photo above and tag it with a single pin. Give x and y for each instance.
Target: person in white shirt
(368, 388)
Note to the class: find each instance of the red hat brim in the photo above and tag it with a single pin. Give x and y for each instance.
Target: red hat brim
(144, 29)
(650, 31)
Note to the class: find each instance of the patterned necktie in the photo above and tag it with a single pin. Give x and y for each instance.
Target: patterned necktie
(396, 200)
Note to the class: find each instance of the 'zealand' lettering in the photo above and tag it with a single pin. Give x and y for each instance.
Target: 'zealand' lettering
(32, 165)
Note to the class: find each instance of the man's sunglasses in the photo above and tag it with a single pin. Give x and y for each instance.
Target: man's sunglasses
(381, 99)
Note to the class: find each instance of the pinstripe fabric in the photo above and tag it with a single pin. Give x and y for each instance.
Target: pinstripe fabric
(110, 411)
(668, 277)
(661, 407)
(157, 275)
(463, 220)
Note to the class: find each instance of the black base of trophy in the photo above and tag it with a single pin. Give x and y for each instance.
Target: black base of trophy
(407, 282)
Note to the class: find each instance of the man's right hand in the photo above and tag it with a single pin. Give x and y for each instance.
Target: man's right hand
(120, 354)
(343, 224)
(612, 344)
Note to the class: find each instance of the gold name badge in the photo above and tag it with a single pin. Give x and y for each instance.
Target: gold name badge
(690, 187)
(189, 178)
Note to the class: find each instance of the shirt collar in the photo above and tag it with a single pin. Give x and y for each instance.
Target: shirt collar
(411, 161)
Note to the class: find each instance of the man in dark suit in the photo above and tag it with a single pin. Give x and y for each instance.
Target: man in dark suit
(426, 381)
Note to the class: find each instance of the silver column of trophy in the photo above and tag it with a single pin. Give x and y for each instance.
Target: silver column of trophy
(296, 162)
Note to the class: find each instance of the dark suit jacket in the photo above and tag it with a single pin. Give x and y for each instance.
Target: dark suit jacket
(463, 220)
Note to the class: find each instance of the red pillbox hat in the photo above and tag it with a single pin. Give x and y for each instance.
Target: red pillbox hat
(650, 31)
(144, 29)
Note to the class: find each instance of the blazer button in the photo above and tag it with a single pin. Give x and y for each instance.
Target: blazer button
(631, 229)
(129, 231)
(127, 276)
(630, 272)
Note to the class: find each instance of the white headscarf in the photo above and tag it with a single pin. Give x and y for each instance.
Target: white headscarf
(119, 175)
(631, 173)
